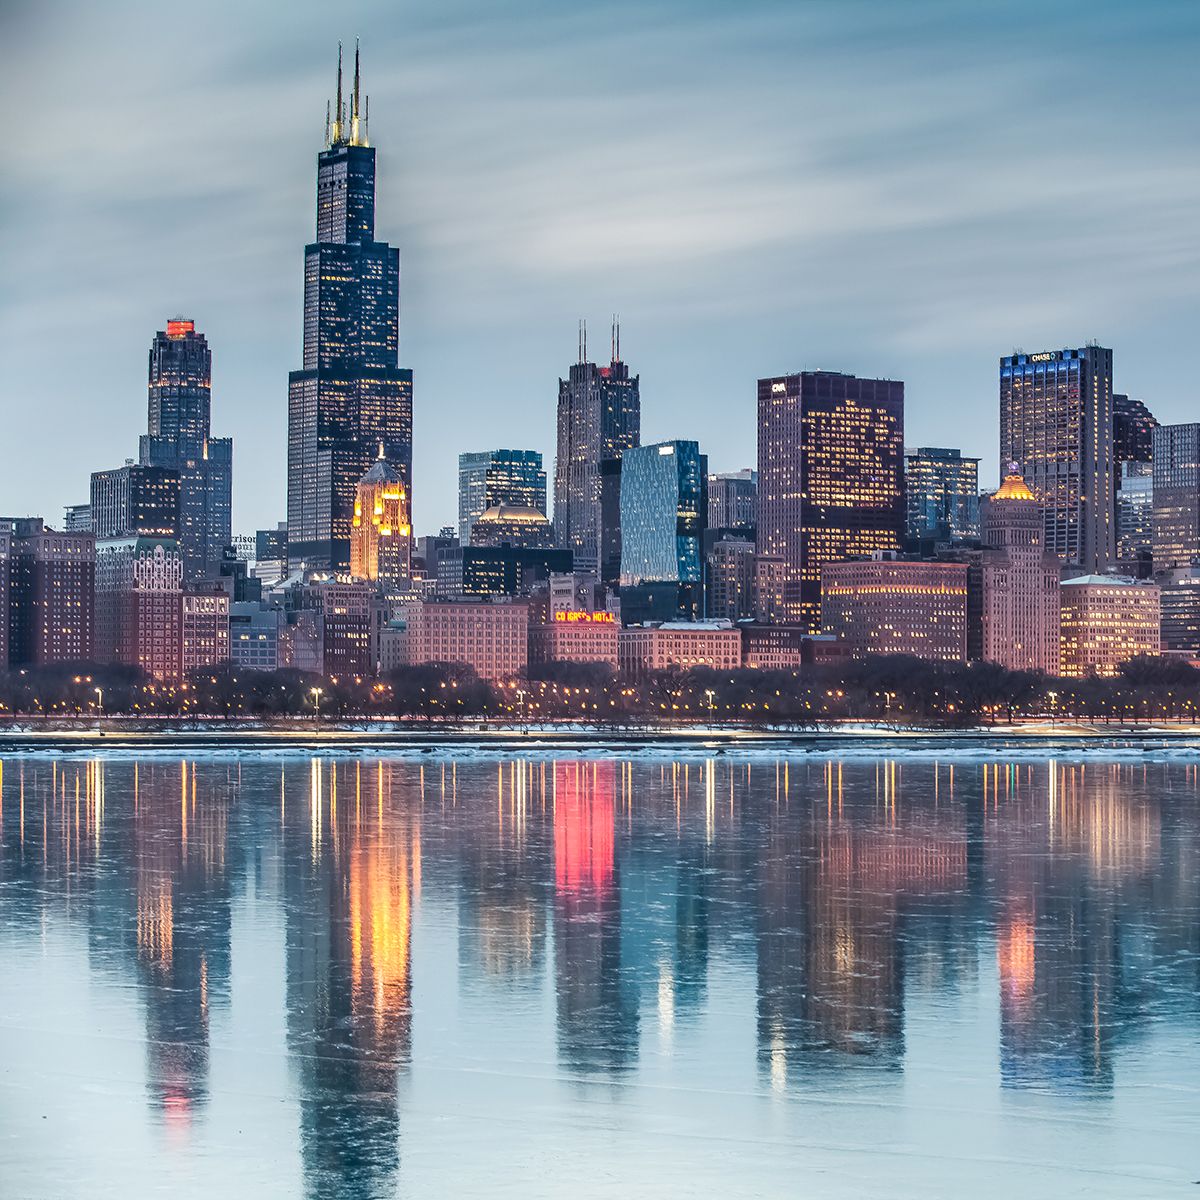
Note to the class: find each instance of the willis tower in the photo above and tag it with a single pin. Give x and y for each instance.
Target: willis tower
(350, 404)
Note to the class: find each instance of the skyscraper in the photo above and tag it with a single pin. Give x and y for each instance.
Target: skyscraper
(663, 515)
(942, 490)
(133, 500)
(488, 478)
(350, 396)
(179, 438)
(1056, 422)
(830, 478)
(733, 500)
(599, 418)
(381, 545)
(1176, 491)
(1133, 429)
(1020, 581)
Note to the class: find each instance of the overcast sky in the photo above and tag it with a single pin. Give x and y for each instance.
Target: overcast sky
(905, 189)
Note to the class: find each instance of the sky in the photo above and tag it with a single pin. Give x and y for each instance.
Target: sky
(903, 190)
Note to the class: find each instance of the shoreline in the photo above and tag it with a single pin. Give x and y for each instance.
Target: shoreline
(232, 737)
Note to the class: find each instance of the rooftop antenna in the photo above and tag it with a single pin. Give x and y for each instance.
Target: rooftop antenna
(354, 101)
(618, 337)
(579, 335)
(337, 115)
(584, 359)
(327, 124)
(612, 338)
(367, 122)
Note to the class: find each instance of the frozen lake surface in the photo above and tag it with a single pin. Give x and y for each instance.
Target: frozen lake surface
(457, 974)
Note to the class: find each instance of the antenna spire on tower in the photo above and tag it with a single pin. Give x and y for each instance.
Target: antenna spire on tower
(612, 338)
(354, 101)
(584, 359)
(618, 354)
(326, 124)
(337, 110)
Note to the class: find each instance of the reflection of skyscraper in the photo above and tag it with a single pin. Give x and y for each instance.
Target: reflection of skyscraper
(350, 397)
(597, 1007)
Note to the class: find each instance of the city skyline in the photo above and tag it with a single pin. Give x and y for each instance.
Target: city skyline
(651, 256)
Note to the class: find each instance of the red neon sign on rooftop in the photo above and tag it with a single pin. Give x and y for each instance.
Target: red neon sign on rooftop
(177, 329)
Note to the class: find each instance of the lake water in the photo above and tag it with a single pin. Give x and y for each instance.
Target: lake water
(284, 976)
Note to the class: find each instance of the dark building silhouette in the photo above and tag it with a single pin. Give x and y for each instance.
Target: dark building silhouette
(180, 439)
(830, 478)
(599, 418)
(135, 501)
(350, 402)
(1133, 430)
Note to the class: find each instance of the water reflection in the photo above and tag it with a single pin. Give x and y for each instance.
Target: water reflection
(603, 898)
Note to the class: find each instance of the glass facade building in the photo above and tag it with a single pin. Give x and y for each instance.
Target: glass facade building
(830, 479)
(664, 512)
(180, 439)
(1056, 424)
(350, 398)
(1176, 490)
(489, 478)
(942, 491)
(599, 418)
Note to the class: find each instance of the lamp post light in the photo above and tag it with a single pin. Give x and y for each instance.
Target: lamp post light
(1053, 697)
(710, 694)
(315, 692)
(99, 699)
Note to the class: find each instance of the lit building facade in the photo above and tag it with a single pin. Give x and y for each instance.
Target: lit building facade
(51, 594)
(663, 517)
(254, 631)
(942, 492)
(1107, 620)
(180, 438)
(512, 525)
(830, 478)
(491, 638)
(139, 605)
(135, 501)
(1135, 514)
(575, 636)
(729, 579)
(1020, 610)
(381, 532)
(339, 609)
(599, 418)
(489, 478)
(1176, 490)
(892, 606)
(5, 560)
(1179, 605)
(771, 647)
(685, 644)
(496, 570)
(204, 630)
(733, 500)
(350, 396)
(1056, 423)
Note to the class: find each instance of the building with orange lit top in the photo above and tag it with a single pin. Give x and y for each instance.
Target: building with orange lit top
(381, 536)
(575, 636)
(830, 478)
(491, 637)
(1020, 581)
(891, 606)
(1107, 620)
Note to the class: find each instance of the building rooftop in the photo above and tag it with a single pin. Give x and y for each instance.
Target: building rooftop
(512, 512)
(1106, 580)
(1013, 488)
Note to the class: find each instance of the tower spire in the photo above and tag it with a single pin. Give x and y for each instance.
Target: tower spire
(327, 124)
(354, 101)
(584, 359)
(337, 111)
(612, 339)
(618, 354)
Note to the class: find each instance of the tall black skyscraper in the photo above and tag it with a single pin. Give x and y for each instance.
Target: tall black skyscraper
(179, 439)
(599, 418)
(350, 398)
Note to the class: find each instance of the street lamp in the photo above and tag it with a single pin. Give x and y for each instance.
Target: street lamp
(99, 699)
(710, 694)
(316, 695)
(1053, 697)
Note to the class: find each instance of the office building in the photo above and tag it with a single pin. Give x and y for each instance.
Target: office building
(575, 636)
(51, 594)
(566, 591)
(270, 553)
(663, 518)
(1179, 605)
(492, 638)
(642, 649)
(942, 492)
(513, 525)
(599, 418)
(77, 518)
(1176, 491)
(768, 647)
(729, 578)
(1107, 620)
(254, 633)
(135, 501)
(381, 533)
(896, 606)
(1133, 430)
(830, 478)
(496, 570)
(350, 396)
(769, 575)
(336, 614)
(491, 478)
(204, 628)
(1135, 516)
(1056, 423)
(733, 501)
(139, 605)
(180, 438)
(5, 563)
(1020, 615)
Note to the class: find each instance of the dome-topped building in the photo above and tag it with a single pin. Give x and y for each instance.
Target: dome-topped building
(513, 525)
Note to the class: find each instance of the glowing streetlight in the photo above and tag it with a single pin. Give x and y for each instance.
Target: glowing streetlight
(316, 693)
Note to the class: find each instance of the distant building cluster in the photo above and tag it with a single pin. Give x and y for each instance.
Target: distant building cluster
(840, 541)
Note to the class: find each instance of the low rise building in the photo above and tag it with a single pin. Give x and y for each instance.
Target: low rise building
(254, 630)
(1107, 620)
(1180, 606)
(205, 628)
(642, 649)
(575, 636)
(886, 605)
(491, 637)
(768, 647)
